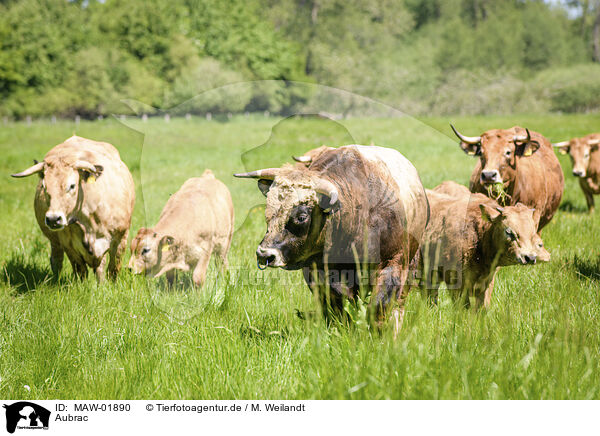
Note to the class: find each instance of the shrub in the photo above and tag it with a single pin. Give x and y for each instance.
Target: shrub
(571, 89)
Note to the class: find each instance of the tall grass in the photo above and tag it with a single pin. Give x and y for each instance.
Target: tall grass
(240, 337)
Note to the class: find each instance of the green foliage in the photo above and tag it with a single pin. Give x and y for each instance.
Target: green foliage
(574, 89)
(60, 57)
(200, 89)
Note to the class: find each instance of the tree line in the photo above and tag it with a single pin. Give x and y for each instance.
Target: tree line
(68, 58)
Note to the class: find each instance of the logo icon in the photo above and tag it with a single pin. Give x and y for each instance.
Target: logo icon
(26, 415)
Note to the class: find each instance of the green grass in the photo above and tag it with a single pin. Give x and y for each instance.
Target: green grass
(240, 337)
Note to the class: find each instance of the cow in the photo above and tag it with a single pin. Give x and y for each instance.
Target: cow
(451, 188)
(83, 205)
(469, 236)
(521, 164)
(354, 209)
(585, 158)
(307, 158)
(196, 222)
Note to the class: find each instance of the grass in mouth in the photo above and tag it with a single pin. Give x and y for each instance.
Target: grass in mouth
(498, 192)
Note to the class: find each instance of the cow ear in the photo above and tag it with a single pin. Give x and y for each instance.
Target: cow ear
(326, 203)
(527, 148)
(166, 243)
(88, 171)
(471, 149)
(264, 185)
(490, 214)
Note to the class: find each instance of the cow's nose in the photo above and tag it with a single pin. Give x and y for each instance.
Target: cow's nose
(489, 175)
(578, 173)
(267, 256)
(55, 220)
(530, 258)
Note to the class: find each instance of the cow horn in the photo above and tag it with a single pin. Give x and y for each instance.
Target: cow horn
(302, 159)
(38, 167)
(467, 139)
(561, 144)
(594, 141)
(267, 174)
(327, 188)
(522, 138)
(86, 166)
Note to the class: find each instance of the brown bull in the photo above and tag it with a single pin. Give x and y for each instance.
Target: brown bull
(516, 166)
(585, 157)
(83, 204)
(354, 206)
(468, 237)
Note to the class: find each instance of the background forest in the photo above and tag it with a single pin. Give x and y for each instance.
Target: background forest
(425, 57)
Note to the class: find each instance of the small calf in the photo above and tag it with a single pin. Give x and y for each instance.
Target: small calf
(585, 157)
(468, 237)
(196, 221)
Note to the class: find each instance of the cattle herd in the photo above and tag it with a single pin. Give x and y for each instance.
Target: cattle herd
(353, 218)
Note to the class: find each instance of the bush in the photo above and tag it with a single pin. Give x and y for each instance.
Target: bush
(572, 89)
(478, 93)
(206, 86)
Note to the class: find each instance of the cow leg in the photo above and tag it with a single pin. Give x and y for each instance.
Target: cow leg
(391, 283)
(461, 296)
(170, 275)
(487, 299)
(116, 250)
(100, 270)
(431, 295)
(221, 250)
(199, 274)
(79, 267)
(589, 196)
(57, 255)
(329, 289)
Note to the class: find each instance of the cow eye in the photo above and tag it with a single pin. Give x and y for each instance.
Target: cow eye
(586, 155)
(540, 244)
(507, 153)
(71, 186)
(145, 251)
(510, 234)
(302, 218)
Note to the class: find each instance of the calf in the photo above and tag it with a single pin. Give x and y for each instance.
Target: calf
(83, 205)
(585, 157)
(196, 221)
(468, 237)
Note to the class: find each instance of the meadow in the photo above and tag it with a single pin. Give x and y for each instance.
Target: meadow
(240, 336)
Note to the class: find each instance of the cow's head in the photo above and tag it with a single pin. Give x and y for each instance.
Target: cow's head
(62, 183)
(580, 150)
(514, 234)
(499, 152)
(150, 251)
(298, 204)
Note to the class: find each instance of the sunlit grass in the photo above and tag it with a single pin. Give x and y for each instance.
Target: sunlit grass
(240, 337)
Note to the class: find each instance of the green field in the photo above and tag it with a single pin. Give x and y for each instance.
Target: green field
(240, 337)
